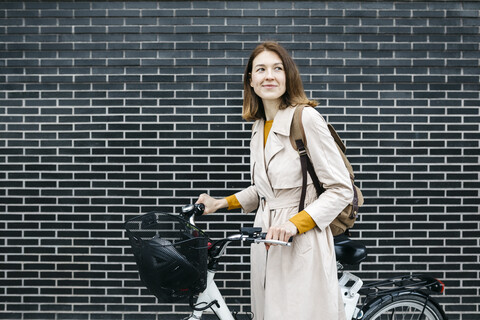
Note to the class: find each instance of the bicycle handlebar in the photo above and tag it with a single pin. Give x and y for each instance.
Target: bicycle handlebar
(249, 234)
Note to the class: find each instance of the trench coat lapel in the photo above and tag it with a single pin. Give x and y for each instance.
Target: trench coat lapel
(259, 172)
(281, 126)
(261, 156)
(256, 145)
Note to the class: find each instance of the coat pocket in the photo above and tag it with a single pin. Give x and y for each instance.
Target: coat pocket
(302, 243)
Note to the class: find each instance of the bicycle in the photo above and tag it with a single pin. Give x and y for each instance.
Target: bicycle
(197, 256)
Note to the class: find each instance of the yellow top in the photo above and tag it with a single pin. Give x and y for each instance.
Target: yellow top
(266, 131)
(301, 220)
(233, 202)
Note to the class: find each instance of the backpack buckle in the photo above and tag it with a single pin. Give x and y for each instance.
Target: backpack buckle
(302, 152)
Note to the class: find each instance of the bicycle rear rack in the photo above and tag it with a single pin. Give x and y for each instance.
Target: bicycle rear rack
(400, 284)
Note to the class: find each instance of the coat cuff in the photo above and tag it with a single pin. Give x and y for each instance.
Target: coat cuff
(303, 221)
(248, 199)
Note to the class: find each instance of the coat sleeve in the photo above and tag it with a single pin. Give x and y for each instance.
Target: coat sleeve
(248, 198)
(330, 170)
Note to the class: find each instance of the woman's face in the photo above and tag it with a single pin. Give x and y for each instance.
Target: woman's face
(268, 76)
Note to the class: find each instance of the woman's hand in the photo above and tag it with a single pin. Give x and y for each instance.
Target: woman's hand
(211, 204)
(282, 232)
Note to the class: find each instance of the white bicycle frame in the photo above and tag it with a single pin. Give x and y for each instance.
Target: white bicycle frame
(210, 294)
(349, 294)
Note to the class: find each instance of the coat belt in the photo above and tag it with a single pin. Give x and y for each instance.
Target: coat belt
(278, 203)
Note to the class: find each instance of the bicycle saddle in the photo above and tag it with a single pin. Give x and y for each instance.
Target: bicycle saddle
(349, 251)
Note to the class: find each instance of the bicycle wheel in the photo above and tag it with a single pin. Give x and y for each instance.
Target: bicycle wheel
(404, 307)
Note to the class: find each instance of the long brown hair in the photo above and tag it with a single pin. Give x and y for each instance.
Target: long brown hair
(294, 94)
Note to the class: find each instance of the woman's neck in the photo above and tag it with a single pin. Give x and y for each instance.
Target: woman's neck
(271, 108)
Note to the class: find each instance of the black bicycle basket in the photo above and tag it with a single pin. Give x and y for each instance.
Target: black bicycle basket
(171, 255)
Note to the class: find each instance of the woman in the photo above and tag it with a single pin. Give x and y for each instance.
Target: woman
(299, 282)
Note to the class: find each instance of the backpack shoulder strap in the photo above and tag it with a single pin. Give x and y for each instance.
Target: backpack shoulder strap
(296, 130)
(298, 140)
(337, 138)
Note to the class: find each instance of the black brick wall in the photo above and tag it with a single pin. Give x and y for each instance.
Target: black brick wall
(111, 109)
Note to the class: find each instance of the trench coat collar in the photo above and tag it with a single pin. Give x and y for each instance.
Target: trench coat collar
(283, 121)
(281, 126)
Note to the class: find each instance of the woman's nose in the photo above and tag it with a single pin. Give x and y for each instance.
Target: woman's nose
(269, 74)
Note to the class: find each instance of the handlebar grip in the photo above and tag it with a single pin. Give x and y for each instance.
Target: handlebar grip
(198, 210)
(193, 210)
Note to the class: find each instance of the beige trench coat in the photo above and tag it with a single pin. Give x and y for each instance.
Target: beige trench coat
(298, 282)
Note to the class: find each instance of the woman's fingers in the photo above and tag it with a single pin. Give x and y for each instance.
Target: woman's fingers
(270, 236)
(283, 232)
(207, 201)
(211, 204)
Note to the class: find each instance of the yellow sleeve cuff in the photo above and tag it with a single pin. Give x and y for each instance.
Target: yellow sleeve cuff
(303, 221)
(233, 202)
